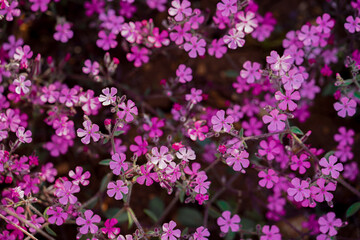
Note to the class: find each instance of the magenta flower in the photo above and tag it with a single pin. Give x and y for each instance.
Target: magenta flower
(106, 41)
(217, 48)
(234, 39)
(186, 154)
(63, 32)
(201, 233)
(268, 178)
(118, 163)
(88, 222)
(159, 39)
(12, 45)
(69, 97)
(287, 99)
(90, 131)
(227, 222)
(109, 228)
(138, 55)
(276, 121)
(227, 7)
(41, 5)
(238, 160)
(91, 68)
(293, 80)
(250, 72)
(247, 22)
(352, 25)
(270, 149)
(118, 189)
(10, 11)
(346, 107)
(24, 136)
(198, 131)
(184, 73)
(220, 123)
(328, 223)
(325, 23)
(252, 127)
(161, 158)
(128, 110)
(23, 53)
(109, 96)
(344, 137)
(270, 233)
(300, 163)
(300, 190)
(277, 63)
(181, 34)
(195, 96)
(65, 193)
(141, 147)
(79, 177)
(195, 47)
(309, 35)
(154, 127)
(329, 166)
(22, 85)
(169, 233)
(178, 9)
(147, 175)
(56, 215)
(201, 185)
(322, 192)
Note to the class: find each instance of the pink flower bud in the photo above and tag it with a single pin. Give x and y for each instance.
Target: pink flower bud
(177, 146)
(222, 149)
(107, 122)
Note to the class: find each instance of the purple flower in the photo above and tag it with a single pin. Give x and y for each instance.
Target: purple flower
(201, 233)
(22, 85)
(63, 32)
(79, 177)
(109, 96)
(11, 11)
(247, 23)
(227, 222)
(138, 55)
(24, 136)
(141, 147)
(276, 121)
(186, 154)
(234, 39)
(277, 63)
(344, 137)
(41, 5)
(128, 110)
(309, 35)
(12, 45)
(179, 9)
(66, 193)
(300, 190)
(118, 163)
(268, 178)
(321, 191)
(106, 41)
(184, 73)
(352, 25)
(56, 215)
(147, 175)
(250, 72)
(325, 23)
(169, 233)
(329, 166)
(217, 48)
(328, 223)
(91, 68)
(227, 7)
(220, 123)
(118, 189)
(88, 222)
(300, 163)
(287, 99)
(195, 47)
(195, 96)
(270, 233)
(109, 228)
(90, 131)
(238, 160)
(346, 107)
(161, 158)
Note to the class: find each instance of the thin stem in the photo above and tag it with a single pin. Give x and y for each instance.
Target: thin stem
(136, 221)
(18, 227)
(168, 208)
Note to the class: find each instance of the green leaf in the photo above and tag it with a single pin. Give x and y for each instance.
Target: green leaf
(104, 182)
(353, 209)
(105, 162)
(357, 95)
(151, 215)
(241, 133)
(131, 221)
(230, 236)
(223, 205)
(189, 217)
(157, 206)
(231, 73)
(45, 213)
(248, 224)
(328, 154)
(329, 89)
(214, 213)
(117, 133)
(105, 140)
(296, 130)
(50, 231)
(182, 196)
(347, 82)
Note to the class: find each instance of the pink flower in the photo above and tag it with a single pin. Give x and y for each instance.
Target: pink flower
(109, 96)
(300, 190)
(79, 177)
(138, 55)
(268, 178)
(147, 175)
(12, 45)
(220, 123)
(328, 223)
(322, 191)
(24, 136)
(217, 48)
(270, 233)
(169, 233)
(118, 189)
(56, 215)
(109, 228)
(227, 222)
(277, 63)
(293, 80)
(128, 110)
(201, 233)
(252, 127)
(118, 163)
(234, 39)
(22, 85)
(182, 34)
(154, 127)
(161, 158)
(198, 131)
(330, 167)
(345, 107)
(238, 160)
(344, 137)
(11, 11)
(269, 149)
(195, 47)
(251, 73)
(178, 9)
(90, 131)
(325, 23)
(309, 35)
(184, 73)
(63, 32)
(41, 5)
(195, 96)
(91, 68)
(65, 193)
(287, 99)
(300, 163)
(88, 222)
(186, 154)
(159, 39)
(276, 121)
(141, 147)
(106, 41)
(22, 54)
(352, 25)
(227, 7)
(247, 23)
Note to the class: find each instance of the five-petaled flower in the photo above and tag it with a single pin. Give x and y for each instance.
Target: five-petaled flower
(300, 190)
(169, 233)
(126, 111)
(330, 168)
(346, 107)
(227, 222)
(117, 189)
(90, 130)
(88, 222)
(220, 123)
